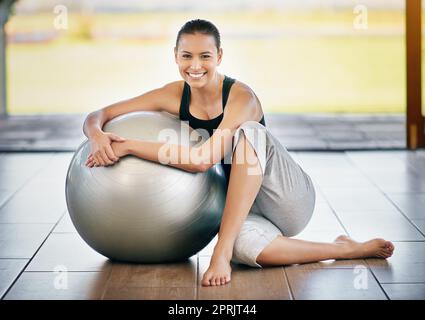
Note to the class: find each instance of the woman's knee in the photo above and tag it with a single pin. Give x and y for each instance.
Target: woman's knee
(249, 145)
(248, 245)
(255, 235)
(297, 223)
(254, 125)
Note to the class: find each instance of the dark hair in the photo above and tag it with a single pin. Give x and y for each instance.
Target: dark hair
(200, 26)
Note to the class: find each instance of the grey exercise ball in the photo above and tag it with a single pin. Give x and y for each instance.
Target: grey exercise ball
(140, 211)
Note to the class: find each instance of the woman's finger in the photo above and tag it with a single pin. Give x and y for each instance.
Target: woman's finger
(117, 138)
(105, 157)
(89, 158)
(98, 160)
(111, 154)
(90, 162)
(101, 158)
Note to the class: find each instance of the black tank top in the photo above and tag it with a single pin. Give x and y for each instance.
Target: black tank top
(212, 124)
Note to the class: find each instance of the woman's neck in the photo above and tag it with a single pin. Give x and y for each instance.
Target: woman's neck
(208, 94)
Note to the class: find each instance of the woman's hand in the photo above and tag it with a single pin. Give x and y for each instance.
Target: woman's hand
(102, 153)
(120, 149)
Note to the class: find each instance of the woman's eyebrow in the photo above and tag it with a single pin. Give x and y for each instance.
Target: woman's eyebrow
(200, 53)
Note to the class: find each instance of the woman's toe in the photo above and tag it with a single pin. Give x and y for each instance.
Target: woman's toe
(205, 282)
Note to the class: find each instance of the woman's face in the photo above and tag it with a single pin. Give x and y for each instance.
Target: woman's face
(197, 58)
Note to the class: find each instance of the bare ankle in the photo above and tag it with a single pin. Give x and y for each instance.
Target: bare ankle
(222, 253)
(345, 251)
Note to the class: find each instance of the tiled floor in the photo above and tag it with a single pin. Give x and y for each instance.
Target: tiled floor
(363, 194)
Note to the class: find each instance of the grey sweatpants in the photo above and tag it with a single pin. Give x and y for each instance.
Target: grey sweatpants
(285, 201)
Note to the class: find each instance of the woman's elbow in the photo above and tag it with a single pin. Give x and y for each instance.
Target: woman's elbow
(192, 168)
(203, 167)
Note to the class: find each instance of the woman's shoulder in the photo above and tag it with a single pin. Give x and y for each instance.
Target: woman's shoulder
(174, 88)
(241, 93)
(168, 96)
(241, 90)
(243, 104)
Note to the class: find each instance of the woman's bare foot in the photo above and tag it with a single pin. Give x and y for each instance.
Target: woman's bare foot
(218, 272)
(375, 248)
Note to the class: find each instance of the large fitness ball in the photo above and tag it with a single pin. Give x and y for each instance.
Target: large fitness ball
(141, 211)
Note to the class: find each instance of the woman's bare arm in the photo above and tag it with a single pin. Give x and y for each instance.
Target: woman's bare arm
(166, 98)
(212, 151)
(161, 99)
(242, 107)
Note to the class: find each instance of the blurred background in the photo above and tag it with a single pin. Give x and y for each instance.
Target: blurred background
(315, 56)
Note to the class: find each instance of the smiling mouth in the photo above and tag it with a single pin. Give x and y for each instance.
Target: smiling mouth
(196, 75)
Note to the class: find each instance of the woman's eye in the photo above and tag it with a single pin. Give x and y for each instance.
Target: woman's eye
(205, 57)
(186, 56)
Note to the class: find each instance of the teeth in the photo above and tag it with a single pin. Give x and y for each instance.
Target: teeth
(196, 75)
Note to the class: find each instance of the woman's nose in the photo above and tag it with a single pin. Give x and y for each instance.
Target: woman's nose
(196, 64)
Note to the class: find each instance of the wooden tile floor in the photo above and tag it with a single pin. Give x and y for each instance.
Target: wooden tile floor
(362, 194)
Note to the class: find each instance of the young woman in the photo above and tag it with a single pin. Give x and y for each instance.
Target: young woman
(269, 197)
